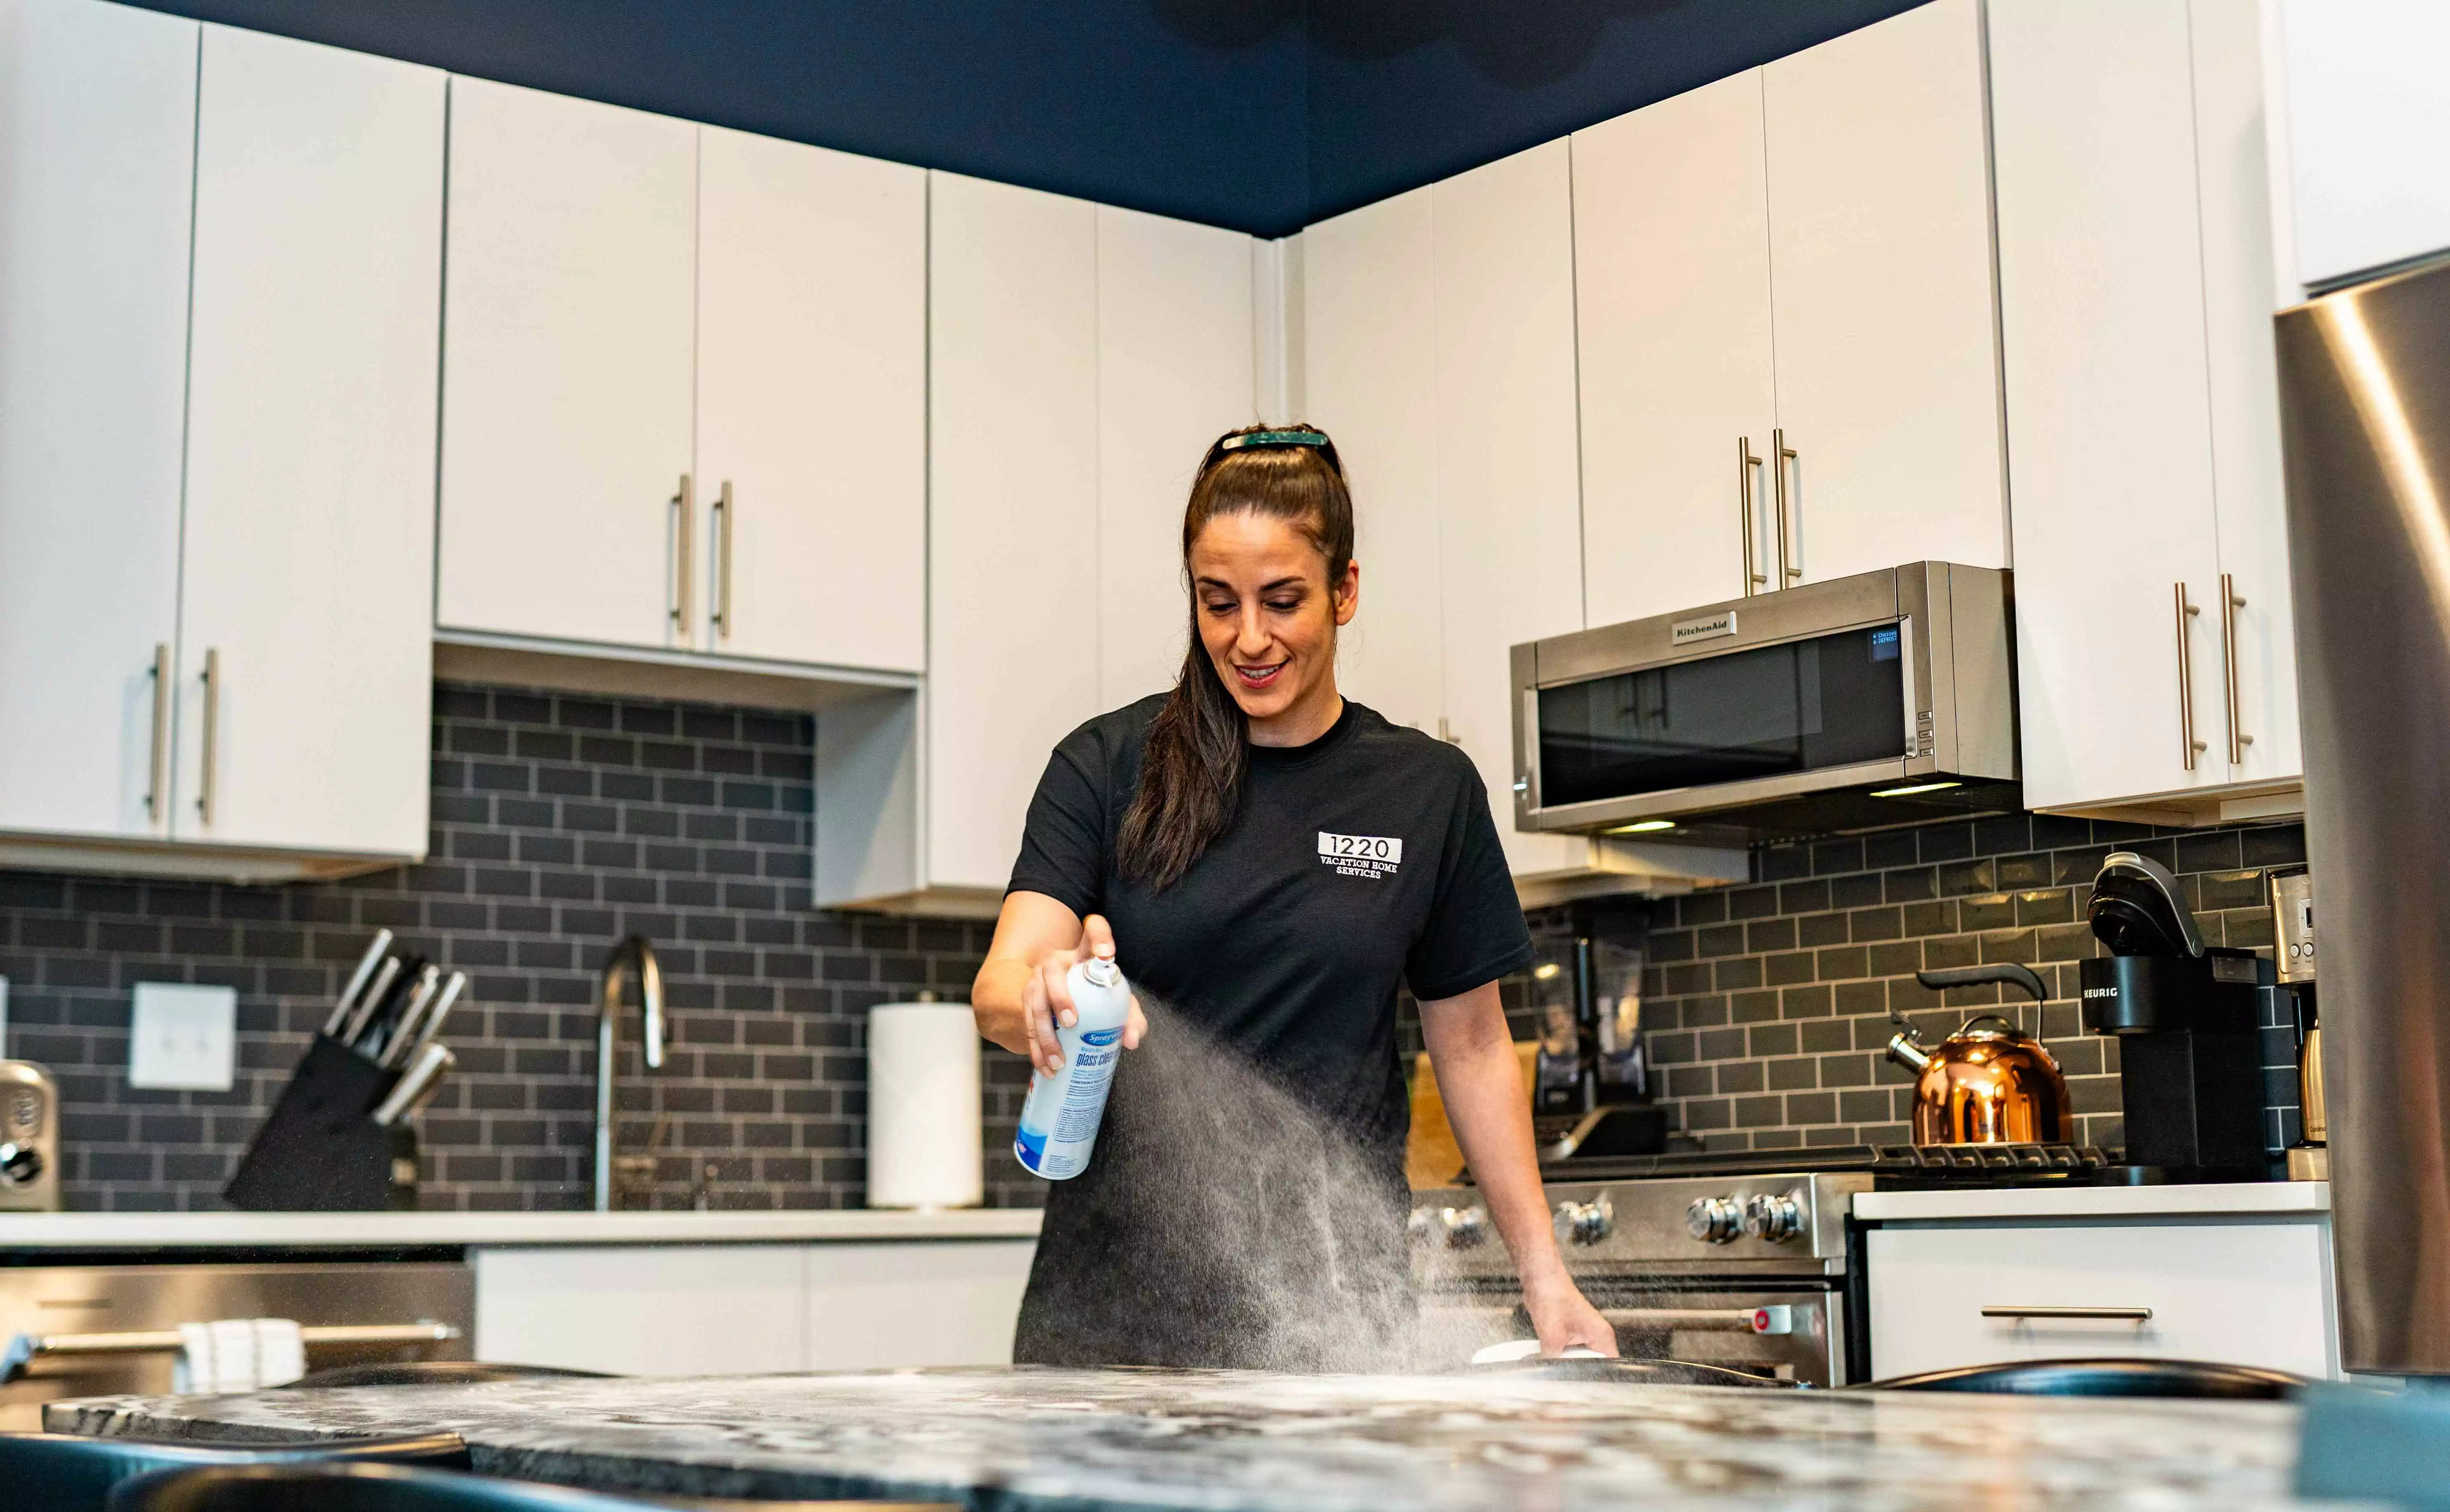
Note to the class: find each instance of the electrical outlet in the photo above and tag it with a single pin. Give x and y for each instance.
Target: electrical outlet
(184, 1038)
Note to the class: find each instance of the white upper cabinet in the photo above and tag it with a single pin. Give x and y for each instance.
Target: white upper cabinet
(97, 162)
(567, 367)
(1508, 486)
(1671, 270)
(1880, 277)
(1784, 302)
(1174, 371)
(305, 635)
(2233, 180)
(2362, 123)
(2142, 423)
(811, 405)
(1369, 307)
(1013, 512)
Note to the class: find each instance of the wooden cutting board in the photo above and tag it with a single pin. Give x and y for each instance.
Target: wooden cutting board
(1431, 1157)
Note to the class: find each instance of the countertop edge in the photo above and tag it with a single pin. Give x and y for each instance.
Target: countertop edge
(67, 1231)
(2242, 1199)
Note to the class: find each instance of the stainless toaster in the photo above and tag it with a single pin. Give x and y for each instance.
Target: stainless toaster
(29, 1138)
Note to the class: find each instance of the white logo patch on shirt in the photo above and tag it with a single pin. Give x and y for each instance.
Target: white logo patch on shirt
(1371, 856)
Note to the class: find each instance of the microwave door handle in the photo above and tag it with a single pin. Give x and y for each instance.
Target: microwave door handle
(1527, 780)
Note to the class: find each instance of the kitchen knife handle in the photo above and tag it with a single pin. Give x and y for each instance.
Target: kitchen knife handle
(1782, 453)
(212, 732)
(1746, 464)
(685, 504)
(2188, 748)
(2232, 601)
(376, 991)
(723, 508)
(357, 979)
(157, 795)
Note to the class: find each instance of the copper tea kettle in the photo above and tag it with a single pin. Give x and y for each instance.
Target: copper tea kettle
(1984, 1085)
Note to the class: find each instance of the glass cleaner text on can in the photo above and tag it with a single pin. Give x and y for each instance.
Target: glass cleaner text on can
(1058, 1121)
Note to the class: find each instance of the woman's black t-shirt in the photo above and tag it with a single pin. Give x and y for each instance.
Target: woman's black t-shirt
(1245, 1202)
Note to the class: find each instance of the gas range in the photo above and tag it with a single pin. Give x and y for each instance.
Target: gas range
(1744, 1258)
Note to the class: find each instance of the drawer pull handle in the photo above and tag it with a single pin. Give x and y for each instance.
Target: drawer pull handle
(2101, 1314)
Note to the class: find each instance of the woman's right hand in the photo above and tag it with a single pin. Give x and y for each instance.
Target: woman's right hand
(1046, 997)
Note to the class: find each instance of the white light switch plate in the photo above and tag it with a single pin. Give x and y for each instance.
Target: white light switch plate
(184, 1038)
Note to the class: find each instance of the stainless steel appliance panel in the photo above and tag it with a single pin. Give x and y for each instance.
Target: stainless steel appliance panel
(72, 1299)
(1810, 1349)
(1958, 721)
(2366, 431)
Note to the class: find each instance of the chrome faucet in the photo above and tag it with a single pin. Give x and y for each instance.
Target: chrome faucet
(634, 954)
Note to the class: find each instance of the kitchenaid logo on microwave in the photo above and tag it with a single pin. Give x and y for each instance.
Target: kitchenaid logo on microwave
(1371, 856)
(1709, 626)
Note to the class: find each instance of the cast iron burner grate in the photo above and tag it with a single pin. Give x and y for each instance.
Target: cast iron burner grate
(1901, 1165)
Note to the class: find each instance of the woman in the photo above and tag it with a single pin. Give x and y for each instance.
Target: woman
(1270, 859)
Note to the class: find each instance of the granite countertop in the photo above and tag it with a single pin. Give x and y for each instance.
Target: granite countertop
(2210, 1201)
(1003, 1440)
(329, 1231)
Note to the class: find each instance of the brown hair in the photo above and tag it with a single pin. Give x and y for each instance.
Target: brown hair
(1191, 774)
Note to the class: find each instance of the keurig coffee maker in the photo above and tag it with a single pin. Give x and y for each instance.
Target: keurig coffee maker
(2190, 1046)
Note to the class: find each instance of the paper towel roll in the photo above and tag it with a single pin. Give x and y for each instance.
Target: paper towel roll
(923, 1107)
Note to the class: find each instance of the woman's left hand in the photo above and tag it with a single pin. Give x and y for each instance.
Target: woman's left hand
(1565, 1320)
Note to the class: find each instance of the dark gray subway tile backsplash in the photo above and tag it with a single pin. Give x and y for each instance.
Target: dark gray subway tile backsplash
(560, 824)
(1769, 1003)
(563, 823)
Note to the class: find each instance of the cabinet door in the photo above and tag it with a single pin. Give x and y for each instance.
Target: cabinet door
(2239, 1293)
(2233, 178)
(1012, 602)
(1509, 495)
(2102, 298)
(309, 557)
(2366, 123)
(1368, 300)
(811, 403)
(646, 1309)
(893, 1305)
(567, 351)
(1174, 373)
(1671, 275)
(97, 158)
(1888, 375)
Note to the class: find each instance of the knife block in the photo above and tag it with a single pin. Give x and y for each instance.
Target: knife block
(319, 1150)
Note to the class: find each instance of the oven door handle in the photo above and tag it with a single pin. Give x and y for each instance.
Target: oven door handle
(1702, 1320)
(25, 1348)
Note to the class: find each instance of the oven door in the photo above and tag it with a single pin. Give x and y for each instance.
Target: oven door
(1708, 1320)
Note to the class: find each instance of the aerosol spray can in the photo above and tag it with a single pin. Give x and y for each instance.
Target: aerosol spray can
(1059, 1122)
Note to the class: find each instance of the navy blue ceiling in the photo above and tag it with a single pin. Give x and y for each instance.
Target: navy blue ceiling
(1258, 114)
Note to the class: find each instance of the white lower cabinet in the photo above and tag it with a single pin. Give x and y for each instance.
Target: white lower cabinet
(743, 1309)
(2256, 1293)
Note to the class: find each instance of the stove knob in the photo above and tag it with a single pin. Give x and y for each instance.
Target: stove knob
(1466, 1227)
(1775, 1219)
(1714, 1220)
(1585, 1222)
(20, 1164)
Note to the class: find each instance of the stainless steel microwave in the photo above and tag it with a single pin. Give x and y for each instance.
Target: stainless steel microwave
(1886, 698)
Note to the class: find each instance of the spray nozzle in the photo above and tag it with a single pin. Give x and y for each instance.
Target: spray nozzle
(1101, 971)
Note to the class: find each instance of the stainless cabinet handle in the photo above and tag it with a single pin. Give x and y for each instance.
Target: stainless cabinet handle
(2232, 601)
(1745, 465)
(212, 730)
(2097, 1314)
(156, 796)
(723, 508)
(685, 504)
(1782, 453)
(2189, 747)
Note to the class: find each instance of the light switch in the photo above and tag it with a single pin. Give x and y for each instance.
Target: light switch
(184, 1038)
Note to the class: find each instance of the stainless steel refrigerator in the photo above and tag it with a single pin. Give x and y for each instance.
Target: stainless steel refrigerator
(2366, 428)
